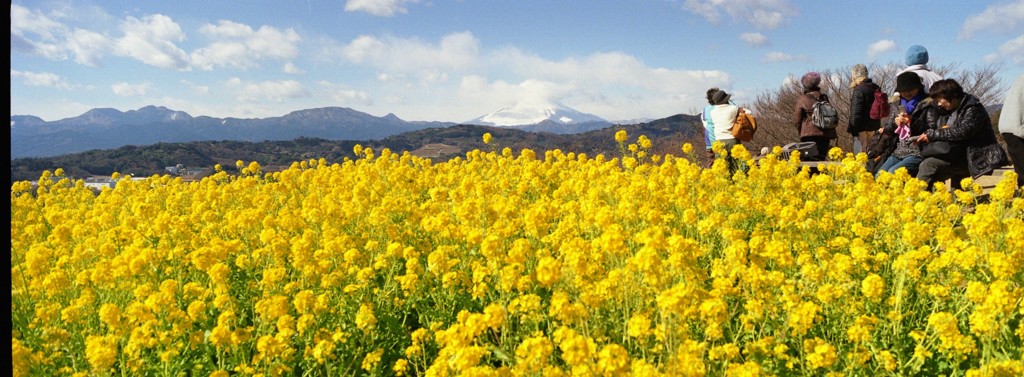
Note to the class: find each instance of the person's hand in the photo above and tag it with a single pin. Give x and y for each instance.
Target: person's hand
(902, 119)
(922, 139)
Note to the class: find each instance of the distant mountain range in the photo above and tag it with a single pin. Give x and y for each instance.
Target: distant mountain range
(111, 128)
(107, 128)
(438, 144)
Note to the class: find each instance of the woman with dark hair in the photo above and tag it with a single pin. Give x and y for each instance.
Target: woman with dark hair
(709, 126)
(965, 125)
(723, 113)
(802, 114)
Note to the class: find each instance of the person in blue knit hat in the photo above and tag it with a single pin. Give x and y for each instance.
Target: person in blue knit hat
(917, 62)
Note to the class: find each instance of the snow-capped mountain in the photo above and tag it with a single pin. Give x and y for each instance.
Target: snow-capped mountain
(531, 114)
(629, 122)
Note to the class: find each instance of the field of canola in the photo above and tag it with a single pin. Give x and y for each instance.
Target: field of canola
(502, 264)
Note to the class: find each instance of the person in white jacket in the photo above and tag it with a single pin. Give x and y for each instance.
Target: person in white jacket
(709, 127)
(1011, 125)
(722, 117)
(917, 62)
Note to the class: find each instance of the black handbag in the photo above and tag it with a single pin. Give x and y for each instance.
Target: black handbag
(944, 150)
(986, 159)
(880, 146)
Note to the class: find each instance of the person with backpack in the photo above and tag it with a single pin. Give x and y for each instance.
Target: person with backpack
(709, 127)
(820, 132)
(964, 144)
(865, 92)
(914, 114)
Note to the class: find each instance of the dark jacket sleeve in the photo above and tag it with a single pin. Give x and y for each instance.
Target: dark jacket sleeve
(970, 121)
(927, 118)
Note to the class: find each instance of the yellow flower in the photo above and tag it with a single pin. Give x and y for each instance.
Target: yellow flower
(487, 138)
(820, 354)
(613, 360)
(532, 354)
(401, 367)
(873, 287)
(101, 352)
(365, 319)
(21, 358)
(639, 326)
(371, 360)
(620, 136)
(549, 270)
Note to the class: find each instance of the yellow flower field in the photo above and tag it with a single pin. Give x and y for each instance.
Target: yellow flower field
(507, 264)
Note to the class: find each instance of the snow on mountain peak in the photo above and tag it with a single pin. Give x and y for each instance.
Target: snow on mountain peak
(529, 114)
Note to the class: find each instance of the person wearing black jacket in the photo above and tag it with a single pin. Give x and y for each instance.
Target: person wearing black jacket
(861, 125)
(973, 149)
(909, 117)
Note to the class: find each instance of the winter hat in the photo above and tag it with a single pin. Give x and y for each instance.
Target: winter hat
(859, 71)
(810, 80)
(917, 54)
(711, 95)
(720, 97)
(907, 81)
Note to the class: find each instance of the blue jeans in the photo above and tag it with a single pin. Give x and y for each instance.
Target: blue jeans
(891, 164)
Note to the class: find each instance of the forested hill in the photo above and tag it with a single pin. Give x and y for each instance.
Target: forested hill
(668, 135)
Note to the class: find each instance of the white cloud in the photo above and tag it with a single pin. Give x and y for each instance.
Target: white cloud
(346, 96)
(43, 79)
(35, 33)
(384, 8)
(454, 70)
(754, 39)
(611, 84)
(291, 68)
(530, 92)
(151, 40)
(199, 90)
(762, 14)
(776, 56)
(25, 22)
(456, 51)
(1012, 50)
(274, 91)
(881, 47)
(239, 45)
(1001, 18)
(89, 47)
(222, 54)
(125, 89)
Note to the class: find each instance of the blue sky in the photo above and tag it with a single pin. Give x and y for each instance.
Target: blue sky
(455, 60)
